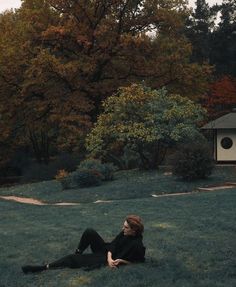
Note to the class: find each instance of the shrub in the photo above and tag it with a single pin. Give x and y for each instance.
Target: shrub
(61, 174)
(90, 172)
(193, 161)
(78, 178)
(130, 159)
(67, 182)
(108, 171)
(86, 178)
(65, 179)
(105, 169)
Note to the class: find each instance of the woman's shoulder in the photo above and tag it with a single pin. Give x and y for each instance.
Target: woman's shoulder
(137, 240)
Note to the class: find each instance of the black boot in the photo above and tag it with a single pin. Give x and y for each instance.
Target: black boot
(32, 269)
(78, 251)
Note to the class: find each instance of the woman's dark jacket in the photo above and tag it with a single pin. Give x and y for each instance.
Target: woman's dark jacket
(129, 248)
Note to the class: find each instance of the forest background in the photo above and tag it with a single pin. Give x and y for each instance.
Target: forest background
(61, 59)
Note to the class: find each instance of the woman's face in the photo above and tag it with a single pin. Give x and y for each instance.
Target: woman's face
(127, 229)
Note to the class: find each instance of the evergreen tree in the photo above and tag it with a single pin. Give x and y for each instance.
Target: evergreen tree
(224, 40)
(199, 28)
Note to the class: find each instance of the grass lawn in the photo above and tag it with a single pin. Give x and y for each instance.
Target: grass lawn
(190, 239)
(127, 185)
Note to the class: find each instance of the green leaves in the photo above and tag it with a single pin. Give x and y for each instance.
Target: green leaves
(141, 117)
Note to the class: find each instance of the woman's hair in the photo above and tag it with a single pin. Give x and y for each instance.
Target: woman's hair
(135, 223)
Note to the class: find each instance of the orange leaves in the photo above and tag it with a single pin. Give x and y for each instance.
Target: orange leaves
(61, 58)
(53, 30)
(222, 96)
(61, 174)
(224, 90)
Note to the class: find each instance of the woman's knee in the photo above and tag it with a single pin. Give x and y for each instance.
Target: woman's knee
(90, 231)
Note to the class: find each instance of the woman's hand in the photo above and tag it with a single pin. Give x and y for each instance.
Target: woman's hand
(120, 261)
(110, 261)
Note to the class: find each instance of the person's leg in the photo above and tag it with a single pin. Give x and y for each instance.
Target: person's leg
(91, 238)
(33, 268)
(70, 261)
(79, 260)
(66, 261)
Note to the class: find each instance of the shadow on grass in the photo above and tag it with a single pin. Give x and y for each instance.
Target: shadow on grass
(169, 267)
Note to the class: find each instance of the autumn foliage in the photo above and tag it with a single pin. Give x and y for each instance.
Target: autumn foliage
(221, 97)
(60, 59)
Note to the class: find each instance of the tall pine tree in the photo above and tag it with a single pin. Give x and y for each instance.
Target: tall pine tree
(224, 40)
(199, 27)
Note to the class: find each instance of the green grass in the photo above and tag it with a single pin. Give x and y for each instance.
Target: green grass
(127, 185)
(190, 239)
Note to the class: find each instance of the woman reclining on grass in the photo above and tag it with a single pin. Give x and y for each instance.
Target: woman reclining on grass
(126, 248)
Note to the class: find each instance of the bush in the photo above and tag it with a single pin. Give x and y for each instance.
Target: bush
(67, 182)
(64, 178)
(105, 169)
(89, 173)
(78, 178)
(108, 171)
(193, 161)
(86, 178)
(130, 159)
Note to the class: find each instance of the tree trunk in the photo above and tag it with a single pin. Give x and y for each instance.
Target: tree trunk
(40, 146)
(145, 161)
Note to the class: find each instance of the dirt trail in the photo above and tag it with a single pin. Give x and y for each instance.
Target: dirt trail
(28, 200)
(34, 201)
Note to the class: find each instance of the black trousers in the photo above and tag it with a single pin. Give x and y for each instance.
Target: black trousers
(98, 257)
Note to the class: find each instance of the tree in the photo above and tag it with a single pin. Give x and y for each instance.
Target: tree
(107, 44)
(199, 28)
(144, 120)
(37, 106)
(60, 59)
(215, 42)
(224, 40)
(221, 97)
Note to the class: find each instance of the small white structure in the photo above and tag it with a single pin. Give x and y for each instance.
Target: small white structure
(224, 130)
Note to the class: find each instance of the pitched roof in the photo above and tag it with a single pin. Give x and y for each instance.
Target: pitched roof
(227, 121)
